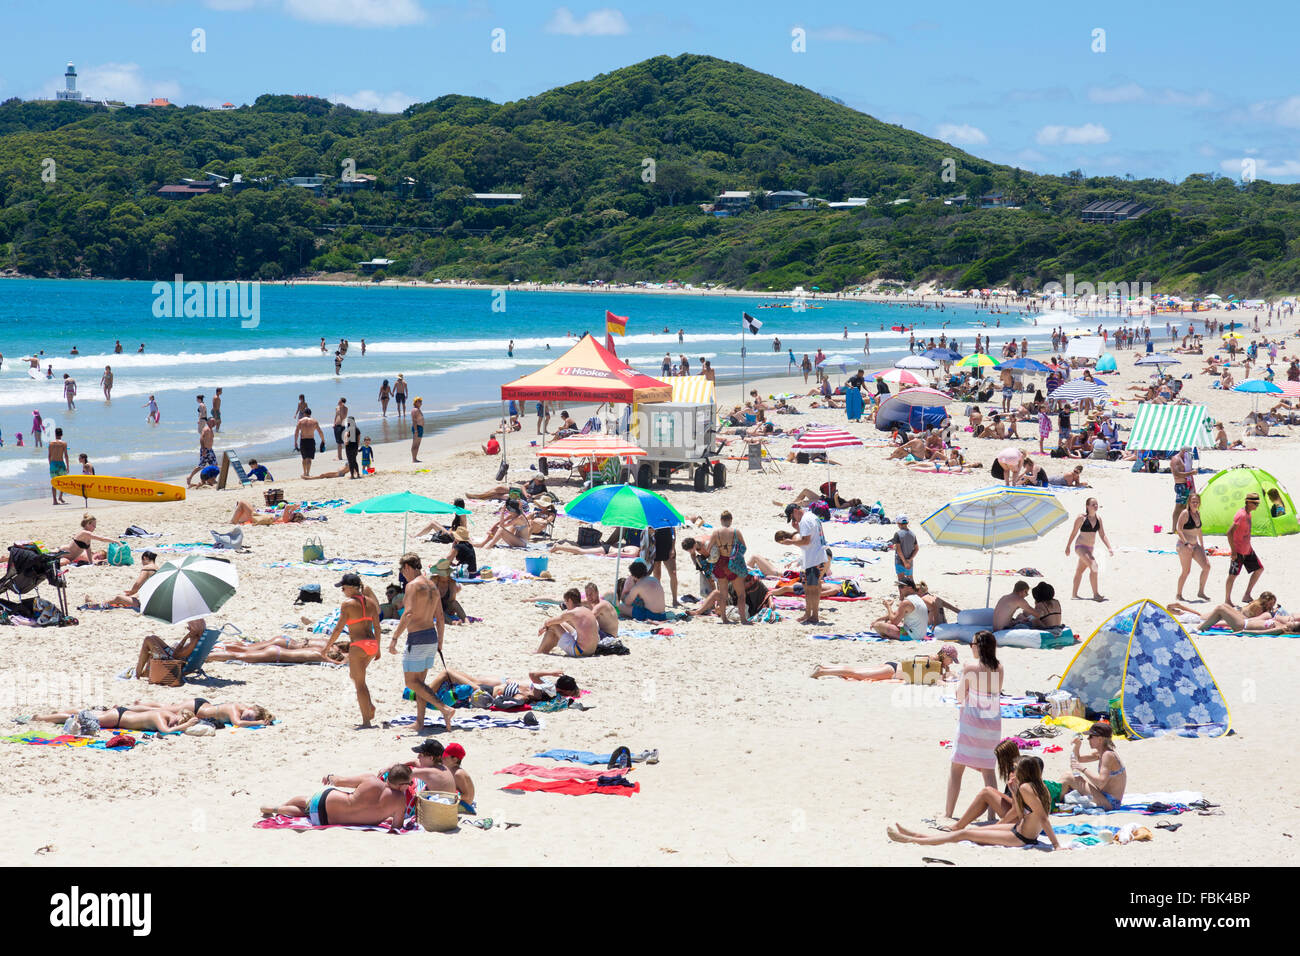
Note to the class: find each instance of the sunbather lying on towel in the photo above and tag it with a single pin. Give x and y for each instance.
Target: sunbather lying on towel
(283, 650)
(1257, 617)
(235, 715)
(245, 514)
(375, 802)
(450, 686)
(888, 671)
(123, 718)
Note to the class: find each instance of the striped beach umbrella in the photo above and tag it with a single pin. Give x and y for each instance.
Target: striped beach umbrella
(898, 376)
(590, 446)
(1290, 389)
(917, 362)
(187, 589)
(1078, 389)
(823, 438)
(993, 518)
(978, 360)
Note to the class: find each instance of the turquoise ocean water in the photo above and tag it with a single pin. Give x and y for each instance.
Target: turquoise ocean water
(449, 343)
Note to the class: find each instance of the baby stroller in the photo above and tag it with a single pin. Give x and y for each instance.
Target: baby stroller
(27, 569)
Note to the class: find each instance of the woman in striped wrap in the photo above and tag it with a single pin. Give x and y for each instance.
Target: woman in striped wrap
(979, 725)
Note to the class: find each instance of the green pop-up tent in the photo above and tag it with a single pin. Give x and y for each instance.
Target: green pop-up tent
(1224, 495)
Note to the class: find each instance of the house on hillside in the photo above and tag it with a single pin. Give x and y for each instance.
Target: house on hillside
(375, 264)
(406, 187)
(360, 182)
(159, 101)
(958, 200)
(853, 202)
(315, 184)
(1112, 210)
(497, 199)
(186, 191)
(994, 201)
(787, 199)
(732, 202)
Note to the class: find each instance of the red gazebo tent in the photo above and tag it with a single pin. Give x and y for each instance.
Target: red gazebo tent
(588, 372)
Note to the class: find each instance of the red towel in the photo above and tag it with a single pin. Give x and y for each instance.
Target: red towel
(574, 788)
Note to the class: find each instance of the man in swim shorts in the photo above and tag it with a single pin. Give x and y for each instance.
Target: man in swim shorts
(58, 455)
(423, 623)
(377, 801)
(606, 616)
(340, 421)
(304, 439)
(573, 630)
(1243, 552)
(417, 428)
(1180, 466)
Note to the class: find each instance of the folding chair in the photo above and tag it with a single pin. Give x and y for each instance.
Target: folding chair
(199, 656)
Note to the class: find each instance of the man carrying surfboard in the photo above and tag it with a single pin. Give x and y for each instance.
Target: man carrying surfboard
(58, 456)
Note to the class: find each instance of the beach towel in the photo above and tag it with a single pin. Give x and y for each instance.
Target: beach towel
(586, 756)
(336, 566)
(468, 721)
(330, 664)
(279, 822)
(558, 773)
(861, 636)
(979, 728)
(573, 788)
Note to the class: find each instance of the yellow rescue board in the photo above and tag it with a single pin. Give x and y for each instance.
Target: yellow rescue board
(117, 489)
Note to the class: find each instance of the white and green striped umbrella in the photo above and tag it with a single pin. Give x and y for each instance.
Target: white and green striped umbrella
(993, 518)
(187, 589)
(1170, 427)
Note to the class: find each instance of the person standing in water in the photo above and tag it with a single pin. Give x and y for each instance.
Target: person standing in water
(58, 458)
(399, 394)
(510, 349)
(153, 417)
(106, 380)
(216, 410)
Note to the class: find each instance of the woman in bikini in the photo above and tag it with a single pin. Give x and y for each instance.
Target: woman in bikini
(1257, 616)
(1047, 609)
(1104, 786)
(271, 653)
(888, 671)
(359, 613)
(244, 514)
(148, 568)
(935, 605)
(512, 529)
(444, 535)
(1000, 803)
(234, 715)
(1083, 536)
(1191, 545)
(722, 544)
(1030, 800)
(79, 551)
(124, 718)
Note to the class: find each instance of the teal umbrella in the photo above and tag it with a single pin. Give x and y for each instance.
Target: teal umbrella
(405, 503)
(624, 506)
(187, 589)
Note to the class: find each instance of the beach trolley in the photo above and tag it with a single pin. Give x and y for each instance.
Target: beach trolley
(680, 435)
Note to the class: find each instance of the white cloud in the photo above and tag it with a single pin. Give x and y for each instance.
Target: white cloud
(1135, 93)
(1124, 93)
(844, 34)
(390, 102)
(605, 22)
(1287, 112)
(357, 13)
(961, 134)
(1263, 167)
(1086, 135)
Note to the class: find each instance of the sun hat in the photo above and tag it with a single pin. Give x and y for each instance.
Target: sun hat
(441, 569)
(460, 534)
(1253, 496)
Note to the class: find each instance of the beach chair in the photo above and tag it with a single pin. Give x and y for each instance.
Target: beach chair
(199, 656)
(610, 473)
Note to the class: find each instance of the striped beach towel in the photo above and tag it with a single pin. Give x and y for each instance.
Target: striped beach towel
(979, 728)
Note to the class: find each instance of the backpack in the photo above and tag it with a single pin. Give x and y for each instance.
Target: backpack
(849, 589)
(820, 509)
(859, 513)
(309, 594)
(501, 472)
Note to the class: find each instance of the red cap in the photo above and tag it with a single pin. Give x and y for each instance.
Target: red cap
(454, 750)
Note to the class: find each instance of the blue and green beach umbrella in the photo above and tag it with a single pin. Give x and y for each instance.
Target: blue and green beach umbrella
(624, 506)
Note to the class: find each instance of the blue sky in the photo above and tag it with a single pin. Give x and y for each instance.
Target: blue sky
(1178, 88)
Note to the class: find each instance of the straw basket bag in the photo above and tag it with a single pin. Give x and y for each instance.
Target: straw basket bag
(272, 497)
(436, 810)
(165, 672)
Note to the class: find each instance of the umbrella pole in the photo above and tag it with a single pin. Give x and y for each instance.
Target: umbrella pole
(406, 516)
(988, 590)
(618, 558)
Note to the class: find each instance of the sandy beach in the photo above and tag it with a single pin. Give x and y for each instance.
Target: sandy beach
(758, 764)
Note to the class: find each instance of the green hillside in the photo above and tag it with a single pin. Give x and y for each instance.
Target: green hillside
(577, 155)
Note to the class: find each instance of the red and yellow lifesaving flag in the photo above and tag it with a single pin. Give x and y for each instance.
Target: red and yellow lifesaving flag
(615, 324)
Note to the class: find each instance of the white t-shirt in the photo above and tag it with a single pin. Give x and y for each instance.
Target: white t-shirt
(814, 552)
(917, 619)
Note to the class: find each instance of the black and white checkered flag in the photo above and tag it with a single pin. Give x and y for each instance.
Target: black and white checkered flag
(750, 324)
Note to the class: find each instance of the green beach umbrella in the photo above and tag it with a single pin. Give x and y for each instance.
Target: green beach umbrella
(624, 506)
(187, 589)
(405, 503)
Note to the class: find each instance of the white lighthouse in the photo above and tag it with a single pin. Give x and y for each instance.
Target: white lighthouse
(69, 91)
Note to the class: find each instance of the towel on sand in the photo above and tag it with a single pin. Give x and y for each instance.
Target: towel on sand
(278, 822)
(468, 721)
(573, 788)
(559, 773)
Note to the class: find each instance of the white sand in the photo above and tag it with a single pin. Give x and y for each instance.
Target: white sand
(759, 763)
